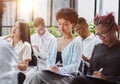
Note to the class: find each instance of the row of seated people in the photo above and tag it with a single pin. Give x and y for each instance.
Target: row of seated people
(104, 62)
(19, 39)
(66, 52)
(63, 55)
(23, 46)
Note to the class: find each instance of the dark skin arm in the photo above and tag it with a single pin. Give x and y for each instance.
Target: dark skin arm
(85, 59)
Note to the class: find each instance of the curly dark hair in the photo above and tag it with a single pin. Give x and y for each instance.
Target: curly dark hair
(68, 14)
(82, 20)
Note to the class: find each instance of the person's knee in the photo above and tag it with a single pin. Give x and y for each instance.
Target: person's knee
(36, 75)
(82, 80)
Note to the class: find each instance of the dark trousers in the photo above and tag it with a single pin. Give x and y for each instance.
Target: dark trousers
(90, 80)
(21, 78)
(48, 77)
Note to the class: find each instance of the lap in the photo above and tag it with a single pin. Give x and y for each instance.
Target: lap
(90, 80)
(48, 77)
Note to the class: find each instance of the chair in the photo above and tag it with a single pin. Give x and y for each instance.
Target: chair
(21, 77)
(83, 67)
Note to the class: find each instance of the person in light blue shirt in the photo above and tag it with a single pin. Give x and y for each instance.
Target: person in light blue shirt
(70, 57)
(64, 54)
(8, 64)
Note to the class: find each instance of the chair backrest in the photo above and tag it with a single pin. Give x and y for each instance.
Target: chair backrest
(33, 61)
(21, 77)
(83, 68)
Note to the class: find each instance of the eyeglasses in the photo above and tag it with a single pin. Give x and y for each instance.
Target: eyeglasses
(103, 34)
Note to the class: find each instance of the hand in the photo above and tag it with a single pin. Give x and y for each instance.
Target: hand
(36, 47)
(98, 74)
(9, 36)
(23, 65)
(54, 69)
(85, 59)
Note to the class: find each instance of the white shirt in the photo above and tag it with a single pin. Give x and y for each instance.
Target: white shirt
(43, 42)
(8, 64)
(23, 50)
(88, 44)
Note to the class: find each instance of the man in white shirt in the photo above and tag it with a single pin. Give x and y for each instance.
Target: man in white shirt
(8, 64)
(41, 41)
(88, 41)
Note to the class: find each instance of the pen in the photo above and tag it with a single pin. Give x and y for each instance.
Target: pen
(58, 63)
(101, 69)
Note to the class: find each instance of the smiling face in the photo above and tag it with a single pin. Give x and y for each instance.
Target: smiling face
(16, 30)
(40, 29)
(21, 31)
(39, 25)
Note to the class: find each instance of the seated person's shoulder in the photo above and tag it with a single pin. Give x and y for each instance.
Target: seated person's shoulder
(97, 40)
(99, 45)
(27, 44)
(50, 36)
(4, 43)
(78, 38)
(5, 46)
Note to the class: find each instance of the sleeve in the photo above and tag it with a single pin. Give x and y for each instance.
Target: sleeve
(9, 64)
(51, 53)
(34, 39)
(2, 37)
(27, 51)
(113, 78)
(43, 54)
(90, 69)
